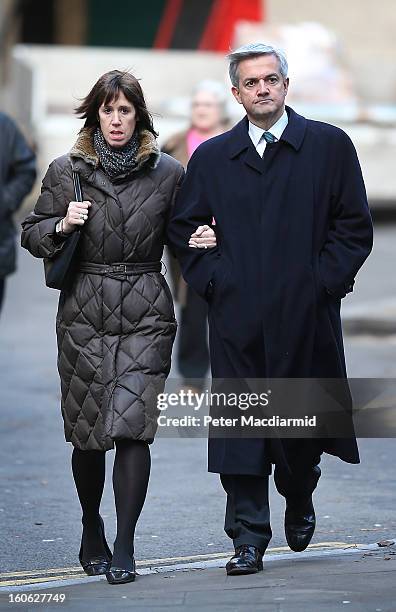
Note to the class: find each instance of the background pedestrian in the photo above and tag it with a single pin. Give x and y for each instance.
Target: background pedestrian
(209, 117)
(17, 176)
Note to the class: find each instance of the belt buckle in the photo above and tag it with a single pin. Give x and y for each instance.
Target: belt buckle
(119, 269)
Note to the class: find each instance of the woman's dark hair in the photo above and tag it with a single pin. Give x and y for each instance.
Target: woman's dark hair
(106, 89)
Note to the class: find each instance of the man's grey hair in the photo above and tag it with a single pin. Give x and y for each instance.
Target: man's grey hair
(254, 50)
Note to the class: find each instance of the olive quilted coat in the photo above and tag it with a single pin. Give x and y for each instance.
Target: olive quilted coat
(115, 332)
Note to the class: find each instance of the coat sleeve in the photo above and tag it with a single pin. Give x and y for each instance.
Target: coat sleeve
(180, 174)
(21, 171)
(350, 235)
(38, 229)
(192, 209)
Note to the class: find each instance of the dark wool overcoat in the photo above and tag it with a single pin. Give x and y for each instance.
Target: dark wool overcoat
(17, 175)
(115, 332)
(293, 229)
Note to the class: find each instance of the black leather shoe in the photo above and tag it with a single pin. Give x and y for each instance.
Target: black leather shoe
(117, 575)
(300, 523)
(247, 560)
(98, 565)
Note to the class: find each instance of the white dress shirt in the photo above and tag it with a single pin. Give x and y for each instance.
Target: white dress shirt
(256, 133)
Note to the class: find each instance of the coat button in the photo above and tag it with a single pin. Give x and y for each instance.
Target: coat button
(103, 183)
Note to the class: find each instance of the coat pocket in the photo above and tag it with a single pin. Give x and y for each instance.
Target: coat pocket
(166, 288)
(219, 278)
(168, 306)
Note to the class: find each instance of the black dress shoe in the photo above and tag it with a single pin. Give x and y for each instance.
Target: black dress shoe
(247, 560)
(117, 575)
(97, 565)
(300, 523)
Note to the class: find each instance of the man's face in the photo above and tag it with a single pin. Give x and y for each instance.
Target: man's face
(262, 89)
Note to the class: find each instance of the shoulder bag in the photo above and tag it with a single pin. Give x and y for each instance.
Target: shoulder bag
(59, 269)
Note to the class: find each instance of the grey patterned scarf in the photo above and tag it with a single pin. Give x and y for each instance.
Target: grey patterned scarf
(116, 162)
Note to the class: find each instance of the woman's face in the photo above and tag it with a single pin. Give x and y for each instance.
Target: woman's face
(117, 121)
(205, 111)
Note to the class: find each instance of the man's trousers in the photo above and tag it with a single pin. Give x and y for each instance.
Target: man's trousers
(247, 519)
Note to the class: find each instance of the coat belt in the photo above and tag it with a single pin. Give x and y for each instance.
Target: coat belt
(119, 268)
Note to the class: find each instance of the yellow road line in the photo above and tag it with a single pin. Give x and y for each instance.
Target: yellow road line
(54, 574)
(227, 554)
(37, 580)
(42, 572)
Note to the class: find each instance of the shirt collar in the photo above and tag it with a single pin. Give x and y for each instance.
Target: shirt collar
(276, 130)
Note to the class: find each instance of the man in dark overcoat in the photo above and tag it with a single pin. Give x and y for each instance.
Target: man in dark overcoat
(293, 228)
(17, 176)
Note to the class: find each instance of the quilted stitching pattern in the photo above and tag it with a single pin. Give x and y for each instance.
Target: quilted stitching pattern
(115, 333)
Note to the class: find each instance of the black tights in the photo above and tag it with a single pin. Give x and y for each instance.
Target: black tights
(130, 480)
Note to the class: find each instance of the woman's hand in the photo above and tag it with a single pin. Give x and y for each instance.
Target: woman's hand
(203, 238)
(77, 214)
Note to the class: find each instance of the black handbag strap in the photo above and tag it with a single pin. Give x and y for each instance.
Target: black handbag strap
(77, 187)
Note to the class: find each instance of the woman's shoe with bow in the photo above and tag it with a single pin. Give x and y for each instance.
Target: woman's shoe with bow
(99, 564)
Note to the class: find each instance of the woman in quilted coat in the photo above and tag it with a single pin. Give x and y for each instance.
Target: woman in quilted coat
(115, 323)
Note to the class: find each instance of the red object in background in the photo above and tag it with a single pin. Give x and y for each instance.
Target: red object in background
(207, 25)
(220, 26)
(168, 23)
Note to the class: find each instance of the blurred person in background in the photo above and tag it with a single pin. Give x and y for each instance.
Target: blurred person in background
(17, 176)
(115, 324)
(209, 118)
(293, 229)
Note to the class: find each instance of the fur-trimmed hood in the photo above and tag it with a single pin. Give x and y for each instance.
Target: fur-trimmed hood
(148, 153)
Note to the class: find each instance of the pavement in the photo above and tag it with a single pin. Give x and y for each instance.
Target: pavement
(325, 578)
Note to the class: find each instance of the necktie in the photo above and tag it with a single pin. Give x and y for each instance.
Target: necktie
(268, 137)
